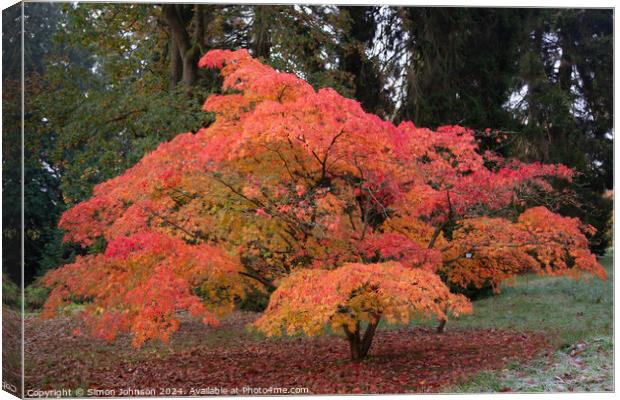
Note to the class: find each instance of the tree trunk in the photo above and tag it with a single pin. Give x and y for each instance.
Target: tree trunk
(354, 342)
(199, 25)
(175, 18)
(368, 84)
(269, 286)
(190, 66)
(261, 35)
(441, 327)
(360, 344)
(175, 64)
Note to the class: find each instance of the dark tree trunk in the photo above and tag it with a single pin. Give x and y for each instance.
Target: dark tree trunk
(261, 35)
(190, 61)
(269, 286)
(190, 66)
(175, 64)
(360, 343)
(441, 327)
(368, 84)
(177, 20)
(199, 25)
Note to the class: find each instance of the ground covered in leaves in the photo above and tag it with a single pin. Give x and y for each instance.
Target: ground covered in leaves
(540, 334)
(11, 350)
(404, 360)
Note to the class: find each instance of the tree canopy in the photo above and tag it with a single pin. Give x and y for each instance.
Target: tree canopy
(102, 79)
(292, 188)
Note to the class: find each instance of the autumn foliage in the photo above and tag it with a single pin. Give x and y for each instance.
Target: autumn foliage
(356, 294)
(140, 283)
(344, 217)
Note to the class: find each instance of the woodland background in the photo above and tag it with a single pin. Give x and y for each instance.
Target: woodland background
(105, 83)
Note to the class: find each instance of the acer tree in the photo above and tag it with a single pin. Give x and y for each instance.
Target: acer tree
(343, 217)
(354, 298)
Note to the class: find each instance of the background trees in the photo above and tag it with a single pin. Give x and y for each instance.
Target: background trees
(103, 79)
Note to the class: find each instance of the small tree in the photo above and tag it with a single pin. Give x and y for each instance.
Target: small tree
(291, 184)
(354, 298)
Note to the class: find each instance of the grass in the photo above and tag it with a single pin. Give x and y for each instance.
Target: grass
(585, 367)
(578, 319)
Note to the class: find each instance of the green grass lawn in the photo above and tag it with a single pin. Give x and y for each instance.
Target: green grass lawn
(578, 317)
